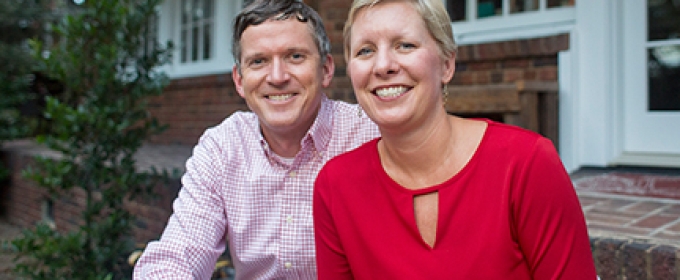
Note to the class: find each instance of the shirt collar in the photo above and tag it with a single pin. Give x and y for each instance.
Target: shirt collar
(319, 133)
(322, 128)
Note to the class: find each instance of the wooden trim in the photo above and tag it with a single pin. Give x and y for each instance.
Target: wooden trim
(529, 104)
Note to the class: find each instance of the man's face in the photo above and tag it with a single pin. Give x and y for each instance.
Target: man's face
(282, 76)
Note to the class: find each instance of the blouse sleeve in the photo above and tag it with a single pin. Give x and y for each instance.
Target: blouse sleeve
(331, 260)
(549, 222)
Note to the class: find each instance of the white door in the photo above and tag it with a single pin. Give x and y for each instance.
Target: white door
(651, 82)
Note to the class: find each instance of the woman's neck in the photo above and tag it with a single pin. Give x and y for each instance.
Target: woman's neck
(429, 156)
(413, 158)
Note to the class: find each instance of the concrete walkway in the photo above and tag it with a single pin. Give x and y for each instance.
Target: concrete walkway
(611, 215)
(631, 203)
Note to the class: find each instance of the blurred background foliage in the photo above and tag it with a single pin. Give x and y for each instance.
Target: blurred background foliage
(20, 21)
(81, 77)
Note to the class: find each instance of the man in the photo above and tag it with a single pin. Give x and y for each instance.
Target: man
(249, 181)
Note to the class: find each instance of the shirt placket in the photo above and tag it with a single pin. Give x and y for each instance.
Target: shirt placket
(288, 215)
(298, 185)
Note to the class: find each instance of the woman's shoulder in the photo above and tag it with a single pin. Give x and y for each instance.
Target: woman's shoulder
(511, 134)
(509, 140)
(354, 157)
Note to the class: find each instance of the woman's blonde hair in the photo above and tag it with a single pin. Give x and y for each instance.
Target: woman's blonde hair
(433, 13)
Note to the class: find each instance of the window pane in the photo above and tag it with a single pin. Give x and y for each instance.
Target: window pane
(518, 6)
(560, 3)
(194, 44)
(664, 73)
(487, 8)
(151, 34)
(663, 19)
(207, 9)
(186, 11)
(184, 51)
(197, 12)
(456, 9)
(207, 39)
(197, 32)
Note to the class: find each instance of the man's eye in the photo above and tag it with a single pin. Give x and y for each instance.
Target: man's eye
(256, 62)
(297, 56)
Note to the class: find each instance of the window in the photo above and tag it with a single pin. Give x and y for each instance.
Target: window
(201, 34)
(151, 35)
(196, 30)
(663, 55)
(479, 21)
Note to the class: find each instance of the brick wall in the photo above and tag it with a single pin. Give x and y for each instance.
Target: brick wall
(509, 61)
(190, 105)
(22, 201)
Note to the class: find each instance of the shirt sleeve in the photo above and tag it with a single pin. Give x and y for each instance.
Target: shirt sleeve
(331, 260)
(550, 226)
(194, 236)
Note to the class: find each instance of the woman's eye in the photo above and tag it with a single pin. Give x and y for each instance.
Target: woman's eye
(364, 51)
(407, 46)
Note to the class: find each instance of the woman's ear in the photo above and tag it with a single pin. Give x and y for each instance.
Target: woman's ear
(448, 68)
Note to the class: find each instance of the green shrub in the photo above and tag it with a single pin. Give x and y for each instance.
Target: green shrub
(20, 20)
(108, 70)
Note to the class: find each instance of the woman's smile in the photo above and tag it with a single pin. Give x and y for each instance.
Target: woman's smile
(391, 92)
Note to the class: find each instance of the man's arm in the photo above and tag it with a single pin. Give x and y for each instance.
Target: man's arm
(194, 237)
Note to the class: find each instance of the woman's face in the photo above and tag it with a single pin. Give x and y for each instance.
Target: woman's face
(395, 66)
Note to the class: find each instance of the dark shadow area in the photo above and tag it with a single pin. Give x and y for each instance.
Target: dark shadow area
(593, 170)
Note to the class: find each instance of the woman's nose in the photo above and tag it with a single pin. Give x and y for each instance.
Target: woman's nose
(385, 63)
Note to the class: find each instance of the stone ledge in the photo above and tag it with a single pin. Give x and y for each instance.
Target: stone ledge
(162, 157)
(626, 258)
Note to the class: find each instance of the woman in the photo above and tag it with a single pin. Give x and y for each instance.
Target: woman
(438, 196)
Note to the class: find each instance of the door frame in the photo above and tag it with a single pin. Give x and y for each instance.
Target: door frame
(625, 156)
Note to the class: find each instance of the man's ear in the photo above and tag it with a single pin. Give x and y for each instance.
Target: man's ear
(238, 81)
(328, 71)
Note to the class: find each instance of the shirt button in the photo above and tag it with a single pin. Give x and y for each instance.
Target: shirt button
(292, 174)
(289, 219)
(288, 265)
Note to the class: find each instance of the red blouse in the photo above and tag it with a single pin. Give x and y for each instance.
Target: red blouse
(510, 213)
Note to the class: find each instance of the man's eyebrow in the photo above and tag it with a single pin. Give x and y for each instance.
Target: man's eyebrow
(246, 56)
(251, 55)
(299, 49)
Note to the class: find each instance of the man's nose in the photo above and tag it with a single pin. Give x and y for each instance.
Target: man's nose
(278, 72)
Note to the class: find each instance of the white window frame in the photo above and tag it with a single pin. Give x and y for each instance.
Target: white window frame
(512, 26)
(220, 60)
(196, 29)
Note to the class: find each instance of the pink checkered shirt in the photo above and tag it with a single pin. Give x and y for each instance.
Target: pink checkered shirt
(236, 189)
